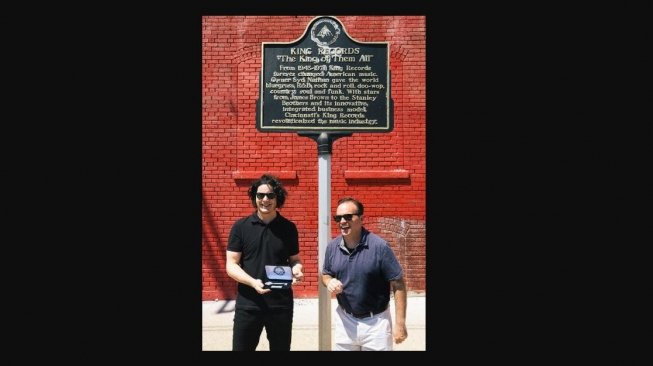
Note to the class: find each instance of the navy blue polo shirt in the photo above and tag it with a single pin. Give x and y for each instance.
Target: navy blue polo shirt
(263, 244)
(365, 273)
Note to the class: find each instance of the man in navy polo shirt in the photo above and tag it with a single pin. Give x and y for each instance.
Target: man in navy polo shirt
(265, 238)
(361, 269)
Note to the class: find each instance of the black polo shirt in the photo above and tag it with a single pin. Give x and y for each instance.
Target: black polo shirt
(365, 273)
(263, 244)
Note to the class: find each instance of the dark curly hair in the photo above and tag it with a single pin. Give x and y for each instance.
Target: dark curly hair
(273, 182)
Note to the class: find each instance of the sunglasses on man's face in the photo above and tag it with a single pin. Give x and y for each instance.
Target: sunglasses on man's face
(270, 195)
(347, 217)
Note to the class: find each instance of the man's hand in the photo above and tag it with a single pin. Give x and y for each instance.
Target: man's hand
(334, 286)
(258, 286)
(399, 332)
(297, 274)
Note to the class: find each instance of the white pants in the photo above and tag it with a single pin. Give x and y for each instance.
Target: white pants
(368, 334)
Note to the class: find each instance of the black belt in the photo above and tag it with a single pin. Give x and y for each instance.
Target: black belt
(368, 314)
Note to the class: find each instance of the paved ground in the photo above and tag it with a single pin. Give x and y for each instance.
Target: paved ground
(217, 324)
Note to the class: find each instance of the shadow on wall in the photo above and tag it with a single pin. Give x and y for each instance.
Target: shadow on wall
(213, 250)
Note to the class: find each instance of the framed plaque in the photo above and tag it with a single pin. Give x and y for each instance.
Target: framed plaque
(278, 277)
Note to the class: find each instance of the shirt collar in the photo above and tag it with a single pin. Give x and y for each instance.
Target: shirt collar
(254, 219)
(362, 243)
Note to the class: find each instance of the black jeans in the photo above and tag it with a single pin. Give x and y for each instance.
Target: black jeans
(248, 325)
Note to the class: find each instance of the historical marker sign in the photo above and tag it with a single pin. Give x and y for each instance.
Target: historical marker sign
(325, 82)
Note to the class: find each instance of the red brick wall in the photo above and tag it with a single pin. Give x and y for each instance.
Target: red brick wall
(386, 171)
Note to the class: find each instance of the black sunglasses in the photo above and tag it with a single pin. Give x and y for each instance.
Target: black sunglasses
(346, 216)
(270, 195)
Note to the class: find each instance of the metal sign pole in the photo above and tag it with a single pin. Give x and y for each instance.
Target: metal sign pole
(324, 142)
(324, 235)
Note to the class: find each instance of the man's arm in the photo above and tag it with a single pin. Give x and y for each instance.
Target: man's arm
(237, 273)
(399, 331)
(325, 279)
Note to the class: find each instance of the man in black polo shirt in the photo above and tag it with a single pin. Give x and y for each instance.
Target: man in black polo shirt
(263, 238)
(361, 269)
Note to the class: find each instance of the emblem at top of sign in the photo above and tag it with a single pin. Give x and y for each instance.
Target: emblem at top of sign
(324, 32)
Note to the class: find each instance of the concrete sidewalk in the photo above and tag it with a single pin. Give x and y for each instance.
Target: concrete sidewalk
(217, 325)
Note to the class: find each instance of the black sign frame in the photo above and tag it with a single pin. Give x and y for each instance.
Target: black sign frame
(325, 81)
